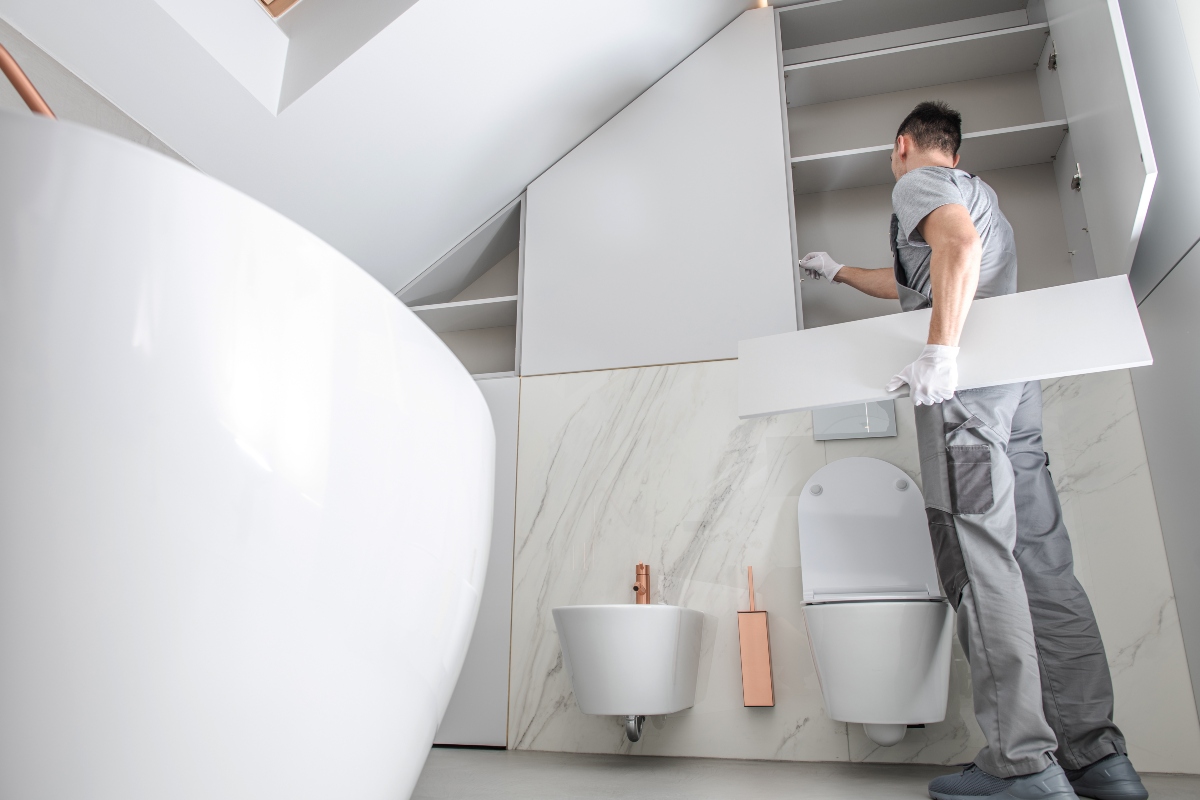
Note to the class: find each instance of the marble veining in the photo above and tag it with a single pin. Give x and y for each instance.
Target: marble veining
(652, 464)
(1094, 439)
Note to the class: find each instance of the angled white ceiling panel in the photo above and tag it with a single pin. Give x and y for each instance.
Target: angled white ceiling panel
(413, 141)
(241, 37)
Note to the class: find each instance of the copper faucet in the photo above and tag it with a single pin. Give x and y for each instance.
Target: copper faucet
(20, 81)
(641, 585)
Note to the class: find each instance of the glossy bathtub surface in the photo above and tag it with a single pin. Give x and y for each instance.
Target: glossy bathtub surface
(631, 659)
(245, 495)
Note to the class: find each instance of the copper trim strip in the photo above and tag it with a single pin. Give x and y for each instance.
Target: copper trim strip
(20, 81)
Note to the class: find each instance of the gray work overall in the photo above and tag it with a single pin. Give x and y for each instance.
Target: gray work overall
(1038, 669)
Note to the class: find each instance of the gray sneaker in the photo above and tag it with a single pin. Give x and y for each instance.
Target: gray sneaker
(973, 783)
(1110, 778)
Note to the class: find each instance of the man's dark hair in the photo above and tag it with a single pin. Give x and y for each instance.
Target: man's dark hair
(933, 125)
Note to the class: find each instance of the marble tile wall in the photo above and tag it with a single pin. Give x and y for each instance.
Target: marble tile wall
(1094, 440)
(652, 464)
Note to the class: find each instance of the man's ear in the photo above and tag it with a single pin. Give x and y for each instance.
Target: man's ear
(901, 146)
(956, 158)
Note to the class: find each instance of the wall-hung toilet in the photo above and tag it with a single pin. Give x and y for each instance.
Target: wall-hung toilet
(878, 625)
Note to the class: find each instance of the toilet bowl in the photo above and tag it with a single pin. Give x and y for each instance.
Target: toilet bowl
(878, 624)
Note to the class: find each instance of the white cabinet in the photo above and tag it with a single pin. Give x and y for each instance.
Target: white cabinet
(1052, 120)
(666, 236)
(672, 232)
(1046, 93)
(478, 710)
(471, 297)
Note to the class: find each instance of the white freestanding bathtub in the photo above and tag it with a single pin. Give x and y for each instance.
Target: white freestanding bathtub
(245, 495)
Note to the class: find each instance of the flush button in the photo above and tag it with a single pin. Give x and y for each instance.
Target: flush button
(901, 484)
(815, 489)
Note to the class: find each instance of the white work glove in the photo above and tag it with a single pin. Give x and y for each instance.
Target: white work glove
(820, 265)
(932, 378)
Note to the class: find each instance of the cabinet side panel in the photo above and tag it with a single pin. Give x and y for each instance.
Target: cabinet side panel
(666, 236)
(787, 162)
(478, 710)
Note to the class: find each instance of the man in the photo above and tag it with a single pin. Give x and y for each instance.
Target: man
(1042, 691)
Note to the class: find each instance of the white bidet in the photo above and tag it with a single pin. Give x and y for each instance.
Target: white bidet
(631, 660)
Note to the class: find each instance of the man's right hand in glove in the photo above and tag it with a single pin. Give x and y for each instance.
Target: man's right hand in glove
(820, 265)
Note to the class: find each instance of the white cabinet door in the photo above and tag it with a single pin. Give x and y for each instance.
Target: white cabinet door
(478, 710)
(1108, 126)
(666, 236)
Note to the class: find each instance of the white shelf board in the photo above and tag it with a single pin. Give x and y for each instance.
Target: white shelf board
(469, 315)
(1074, 329)
(1035, 143)
(961, 58)
(820, 21)
(884, 41)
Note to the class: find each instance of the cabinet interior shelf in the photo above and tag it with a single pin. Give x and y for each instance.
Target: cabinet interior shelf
(469, 315)
(961, 58)
(808, 24)
(1036, 143)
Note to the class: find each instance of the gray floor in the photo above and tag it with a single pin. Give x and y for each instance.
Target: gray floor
(500, 775)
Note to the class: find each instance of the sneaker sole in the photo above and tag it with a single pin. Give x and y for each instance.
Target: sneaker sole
(1125, 790)
(1028, 792)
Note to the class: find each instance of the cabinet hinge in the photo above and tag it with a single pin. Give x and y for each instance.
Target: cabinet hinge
(1052, 62)
(1077, 180)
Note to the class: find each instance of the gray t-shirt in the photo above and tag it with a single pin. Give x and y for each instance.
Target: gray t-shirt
(926, 188)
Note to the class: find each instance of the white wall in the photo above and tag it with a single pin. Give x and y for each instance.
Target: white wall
(653, 465)
(1167, 395)
(1162, 41)
(413, 141)
(68, 96)
(666, 235)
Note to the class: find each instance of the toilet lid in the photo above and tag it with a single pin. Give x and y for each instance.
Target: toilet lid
(864, 535)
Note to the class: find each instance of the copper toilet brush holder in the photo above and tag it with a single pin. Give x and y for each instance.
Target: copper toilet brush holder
(754, 638)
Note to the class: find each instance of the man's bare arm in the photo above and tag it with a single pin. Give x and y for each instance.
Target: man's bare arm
(953, 270)
(875, 282)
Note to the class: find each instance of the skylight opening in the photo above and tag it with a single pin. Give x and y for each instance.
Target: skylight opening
(276, 7)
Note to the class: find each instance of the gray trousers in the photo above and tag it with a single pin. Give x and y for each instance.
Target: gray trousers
(1040, 677)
